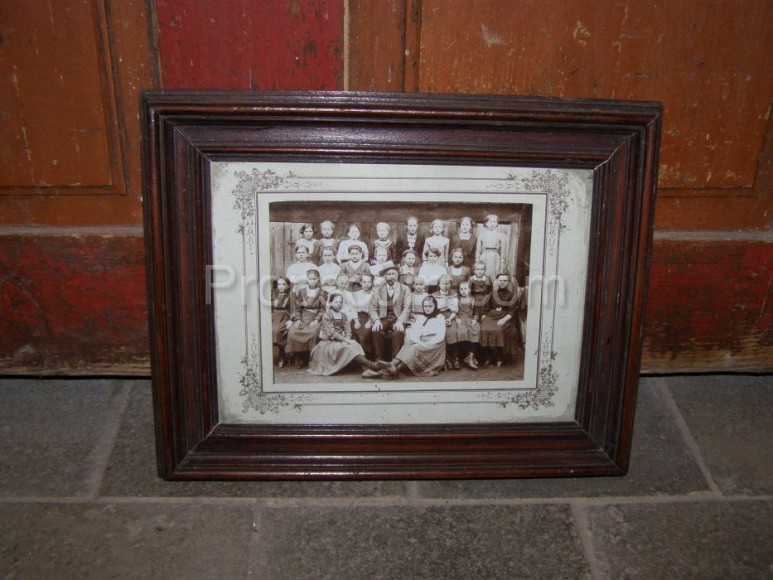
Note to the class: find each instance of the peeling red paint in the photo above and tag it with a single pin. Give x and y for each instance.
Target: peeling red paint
(72, 302)
(710, 296)
(243, 44)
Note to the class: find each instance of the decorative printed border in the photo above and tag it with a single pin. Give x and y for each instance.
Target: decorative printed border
(555, 184)
(252, 388)
(245, 197)
(245, 201)
(551, 182)
(547, 385)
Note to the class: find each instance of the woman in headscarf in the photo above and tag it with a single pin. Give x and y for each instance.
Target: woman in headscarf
(424, 350)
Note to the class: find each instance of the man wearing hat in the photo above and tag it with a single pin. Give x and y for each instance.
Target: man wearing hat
(390, 307)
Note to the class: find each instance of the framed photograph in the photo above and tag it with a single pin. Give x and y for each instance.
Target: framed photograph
(366, 285)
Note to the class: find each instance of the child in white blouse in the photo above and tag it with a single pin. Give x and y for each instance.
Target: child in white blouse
(383, 240)
(490, 249)
(353, 240)
(307, 239)
(432, 270)
(437, 241)
(326, 229)
(329, 270)
(381, 261)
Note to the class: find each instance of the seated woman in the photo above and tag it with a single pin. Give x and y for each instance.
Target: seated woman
(424, 349)
(497, 325)
(336, 347)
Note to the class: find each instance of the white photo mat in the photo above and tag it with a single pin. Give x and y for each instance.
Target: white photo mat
(241, 195)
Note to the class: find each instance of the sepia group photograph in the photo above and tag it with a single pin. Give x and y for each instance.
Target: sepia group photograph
(392, 293)
(365, 291)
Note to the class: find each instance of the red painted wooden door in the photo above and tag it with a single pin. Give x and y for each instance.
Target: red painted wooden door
(709, 303)
(72, 288)
(72, 279)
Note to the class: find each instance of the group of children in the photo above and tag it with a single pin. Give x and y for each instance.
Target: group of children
(482, 305)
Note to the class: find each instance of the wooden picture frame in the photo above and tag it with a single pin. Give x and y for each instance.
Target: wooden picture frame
(225, 173)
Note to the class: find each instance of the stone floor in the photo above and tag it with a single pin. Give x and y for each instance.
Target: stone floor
(79, 498)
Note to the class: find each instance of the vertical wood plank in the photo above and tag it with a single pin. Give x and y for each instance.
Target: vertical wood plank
(630, 50)
(290, 235)
(58, 88)
(243, 44)
(277, 241)
(414, 18)
(512, 250)
(507, 229)
(715, 149)
(119, 35)
(377, 45)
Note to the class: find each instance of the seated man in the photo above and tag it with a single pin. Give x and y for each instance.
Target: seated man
(390, 307)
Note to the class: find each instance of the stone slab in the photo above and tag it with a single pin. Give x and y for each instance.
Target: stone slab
(725, 539)
(124, 541)
(55, 435)
(530, 541)
(731, 419)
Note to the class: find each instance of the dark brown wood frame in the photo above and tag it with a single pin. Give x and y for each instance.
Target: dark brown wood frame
(184, 130)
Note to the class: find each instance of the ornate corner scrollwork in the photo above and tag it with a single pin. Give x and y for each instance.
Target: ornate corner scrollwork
(254, 398)
(547, 385)
(249, 184)
(556, 185)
